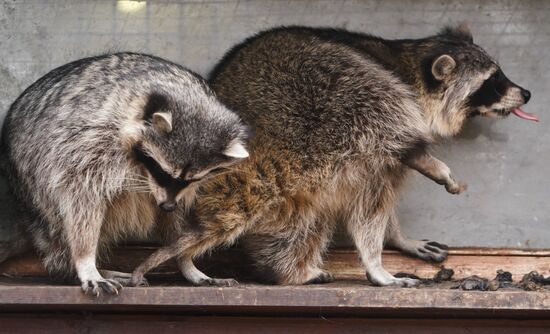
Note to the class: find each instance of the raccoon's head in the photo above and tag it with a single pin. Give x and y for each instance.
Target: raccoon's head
(460, 80)
(183, 144)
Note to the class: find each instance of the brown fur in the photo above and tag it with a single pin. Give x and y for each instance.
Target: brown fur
(337, 116)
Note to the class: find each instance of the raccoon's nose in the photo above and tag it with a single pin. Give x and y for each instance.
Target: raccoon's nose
(168, 206)
(526, 95)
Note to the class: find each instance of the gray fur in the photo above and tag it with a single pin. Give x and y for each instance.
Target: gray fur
(69, 144)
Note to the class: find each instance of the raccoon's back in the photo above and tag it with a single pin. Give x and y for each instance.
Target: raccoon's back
(318, 99)
(76, 94)
(64, 124)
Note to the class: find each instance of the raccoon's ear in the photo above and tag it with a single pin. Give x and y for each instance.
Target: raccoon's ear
(442, 67)
(162, 122)
(236, 150)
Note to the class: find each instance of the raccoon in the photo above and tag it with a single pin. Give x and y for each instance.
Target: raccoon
(104, 148)
(339, 118)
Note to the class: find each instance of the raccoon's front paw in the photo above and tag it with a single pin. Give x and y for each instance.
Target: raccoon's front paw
(93, 286)
(217, 282)
(456, 187)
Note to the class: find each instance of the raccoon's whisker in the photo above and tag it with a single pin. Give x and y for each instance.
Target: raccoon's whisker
(131, 176)
(129, 179)
(135, 182)
(142, 191)
(136, 188)
(138, 185)
(139, 177)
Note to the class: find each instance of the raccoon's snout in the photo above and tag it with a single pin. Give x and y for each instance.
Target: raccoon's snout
(168, 206)
(526, 95)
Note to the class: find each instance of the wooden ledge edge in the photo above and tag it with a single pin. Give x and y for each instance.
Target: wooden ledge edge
(343, 263)
(336, 298)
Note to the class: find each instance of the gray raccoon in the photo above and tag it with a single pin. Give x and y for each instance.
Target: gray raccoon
(104, 148)
(338, 118)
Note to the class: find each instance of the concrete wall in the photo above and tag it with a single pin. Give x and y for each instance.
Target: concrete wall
(504, 162)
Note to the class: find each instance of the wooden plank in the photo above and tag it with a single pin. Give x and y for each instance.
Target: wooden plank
(61, 324)
(465, 262)
(343, 263)
(344, 298)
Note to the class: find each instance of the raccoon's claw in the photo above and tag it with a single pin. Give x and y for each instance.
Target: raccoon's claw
(138, 280)
(125, 279)
(432, 251)
(143, 283)
(405, 282)
(107, 285)
(324, 277)
(139, 283)
(217, 282)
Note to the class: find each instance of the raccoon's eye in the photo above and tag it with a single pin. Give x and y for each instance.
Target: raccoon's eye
(498, 80)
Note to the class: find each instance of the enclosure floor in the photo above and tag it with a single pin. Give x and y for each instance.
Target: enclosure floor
(25, 287)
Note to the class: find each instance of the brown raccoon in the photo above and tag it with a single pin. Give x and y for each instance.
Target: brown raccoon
(338, 117)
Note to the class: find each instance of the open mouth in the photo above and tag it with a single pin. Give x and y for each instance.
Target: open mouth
(518, 112)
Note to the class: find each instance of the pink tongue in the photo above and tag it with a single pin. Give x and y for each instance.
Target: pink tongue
(525, 115)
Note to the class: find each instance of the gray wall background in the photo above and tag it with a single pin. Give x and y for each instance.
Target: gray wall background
(504, 162)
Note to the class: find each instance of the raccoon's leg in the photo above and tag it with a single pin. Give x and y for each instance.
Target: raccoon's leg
(424, 249)
(367, 231)
(168, 229)
(191, 245)
(197, 277)
(434, 169)
(292, 257)
(82, 228)
(49, 240)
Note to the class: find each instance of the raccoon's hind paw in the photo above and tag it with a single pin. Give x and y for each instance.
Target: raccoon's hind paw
(138, 280)
(405, 282)
(123, 278)
(107, 285)
(216, 282)
(324, 277)
(432, 251)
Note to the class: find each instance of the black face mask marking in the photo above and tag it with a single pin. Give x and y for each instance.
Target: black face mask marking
(172, 185)
(491, 91)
